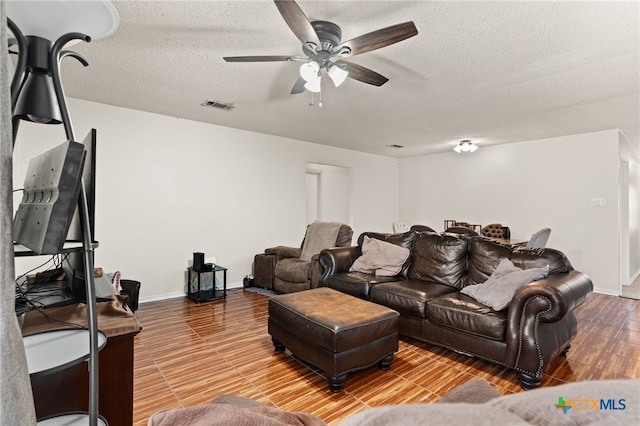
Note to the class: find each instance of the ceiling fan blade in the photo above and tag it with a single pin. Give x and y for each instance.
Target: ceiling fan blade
(298, 22)
(380, 38)
(298, 87)
(360, 73)
(272, 58)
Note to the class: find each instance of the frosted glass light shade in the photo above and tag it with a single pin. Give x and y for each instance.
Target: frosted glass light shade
(338, 75)
(309, 71)
(313, 85)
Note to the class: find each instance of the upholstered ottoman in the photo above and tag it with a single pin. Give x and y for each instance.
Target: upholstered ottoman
(334, 331)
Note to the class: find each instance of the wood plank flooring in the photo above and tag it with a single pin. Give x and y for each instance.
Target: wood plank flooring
(188, 354)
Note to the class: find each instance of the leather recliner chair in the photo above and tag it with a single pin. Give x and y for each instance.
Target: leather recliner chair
(290, 269)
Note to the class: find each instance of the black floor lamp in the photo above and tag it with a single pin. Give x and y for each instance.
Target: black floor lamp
(41, 30)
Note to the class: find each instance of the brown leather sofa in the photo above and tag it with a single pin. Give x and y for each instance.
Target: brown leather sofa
(536, 327)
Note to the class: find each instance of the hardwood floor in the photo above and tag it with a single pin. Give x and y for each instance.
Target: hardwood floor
(188, 354)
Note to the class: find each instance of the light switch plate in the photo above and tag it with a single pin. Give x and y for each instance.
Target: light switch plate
(599, 202)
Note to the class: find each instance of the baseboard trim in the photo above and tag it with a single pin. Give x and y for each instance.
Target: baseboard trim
(606, 291)
(176, 294)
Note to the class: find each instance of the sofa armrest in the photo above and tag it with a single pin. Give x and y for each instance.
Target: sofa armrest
(559, 294)
(282, 252)
(338, 259)
(540, 321)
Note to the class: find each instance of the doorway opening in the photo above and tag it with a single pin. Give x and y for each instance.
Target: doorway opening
(328, 193)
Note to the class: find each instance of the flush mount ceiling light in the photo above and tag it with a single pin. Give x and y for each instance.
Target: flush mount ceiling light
(465, 146)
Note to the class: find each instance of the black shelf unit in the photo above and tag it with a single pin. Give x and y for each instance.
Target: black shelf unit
(199, 294)
(69, 247)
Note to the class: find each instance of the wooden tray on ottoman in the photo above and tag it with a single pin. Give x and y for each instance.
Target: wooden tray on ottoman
(334, 331)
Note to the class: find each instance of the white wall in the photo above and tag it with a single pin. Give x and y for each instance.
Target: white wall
(167, 187)
(529, 185)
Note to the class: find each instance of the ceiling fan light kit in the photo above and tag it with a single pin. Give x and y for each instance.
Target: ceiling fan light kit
(465, 146)
(323, 48)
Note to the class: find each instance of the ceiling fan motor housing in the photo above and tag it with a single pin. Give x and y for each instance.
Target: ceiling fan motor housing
(329, 34)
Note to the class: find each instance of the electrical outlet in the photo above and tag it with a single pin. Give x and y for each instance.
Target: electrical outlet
(599, 202)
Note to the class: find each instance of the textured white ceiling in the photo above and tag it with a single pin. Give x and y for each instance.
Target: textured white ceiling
(494, 72)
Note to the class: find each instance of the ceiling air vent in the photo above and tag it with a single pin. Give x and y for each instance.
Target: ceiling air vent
(219, 105)
(395, 146)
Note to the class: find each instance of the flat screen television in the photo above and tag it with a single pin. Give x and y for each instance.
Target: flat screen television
(89, 182)
(73, 263)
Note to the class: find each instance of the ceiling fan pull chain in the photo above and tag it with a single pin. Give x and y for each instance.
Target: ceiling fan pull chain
(320, 101)
(311, 104)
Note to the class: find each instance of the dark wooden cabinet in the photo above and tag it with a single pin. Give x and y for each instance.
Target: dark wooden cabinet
(68, 390)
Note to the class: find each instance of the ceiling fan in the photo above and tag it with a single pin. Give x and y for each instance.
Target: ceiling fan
(324, 50)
